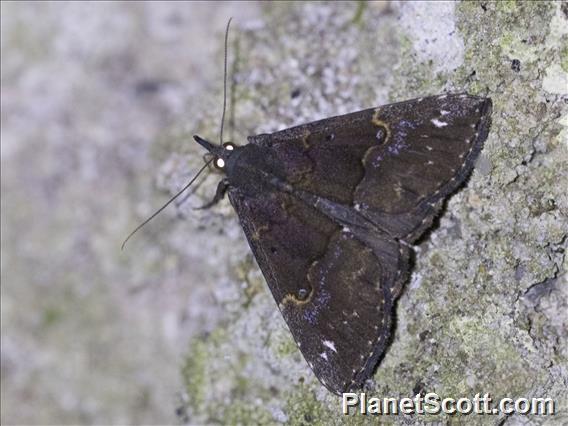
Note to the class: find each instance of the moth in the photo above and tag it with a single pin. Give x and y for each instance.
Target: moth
(331, 209)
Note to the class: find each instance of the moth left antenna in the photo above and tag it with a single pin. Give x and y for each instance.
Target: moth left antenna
(224, 83)
(181, 191)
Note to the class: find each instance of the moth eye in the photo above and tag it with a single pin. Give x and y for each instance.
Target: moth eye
(229, 146)
(330, 137)
(219, 163)
(273, 250)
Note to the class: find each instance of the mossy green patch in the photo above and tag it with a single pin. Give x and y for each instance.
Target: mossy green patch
(357, 17)
(494, 357)
(302, 408)
(195, 370)
(240, 413)
(506, 6)
(283, 343)
(51, 316)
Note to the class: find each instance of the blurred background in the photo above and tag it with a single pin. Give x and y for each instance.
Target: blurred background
(91, 334)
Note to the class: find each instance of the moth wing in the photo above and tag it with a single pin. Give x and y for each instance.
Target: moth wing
(332, 290)
(395, 164)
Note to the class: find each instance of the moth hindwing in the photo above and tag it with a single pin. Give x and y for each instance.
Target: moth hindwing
(330, 209)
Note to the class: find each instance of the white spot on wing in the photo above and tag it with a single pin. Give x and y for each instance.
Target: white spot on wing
(444, 112)
(438, 123)
(324, 355)
(330, 345)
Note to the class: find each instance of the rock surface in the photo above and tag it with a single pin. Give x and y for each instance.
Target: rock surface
(99, 102)
(485, 311)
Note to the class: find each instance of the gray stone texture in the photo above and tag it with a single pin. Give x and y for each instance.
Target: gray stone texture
(99, 102)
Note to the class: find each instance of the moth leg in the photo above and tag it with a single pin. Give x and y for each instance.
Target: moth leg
(219, 194)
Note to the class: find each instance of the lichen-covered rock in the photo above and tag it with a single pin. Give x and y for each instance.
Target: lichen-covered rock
(485, 310)
(99, 102)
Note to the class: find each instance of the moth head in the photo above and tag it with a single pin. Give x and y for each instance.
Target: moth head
(221, 153)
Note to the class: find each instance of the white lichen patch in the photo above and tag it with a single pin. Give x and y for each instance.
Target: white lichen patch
(555, 80)
(434, 34)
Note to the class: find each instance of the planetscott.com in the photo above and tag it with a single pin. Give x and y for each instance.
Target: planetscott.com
(431, 403)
